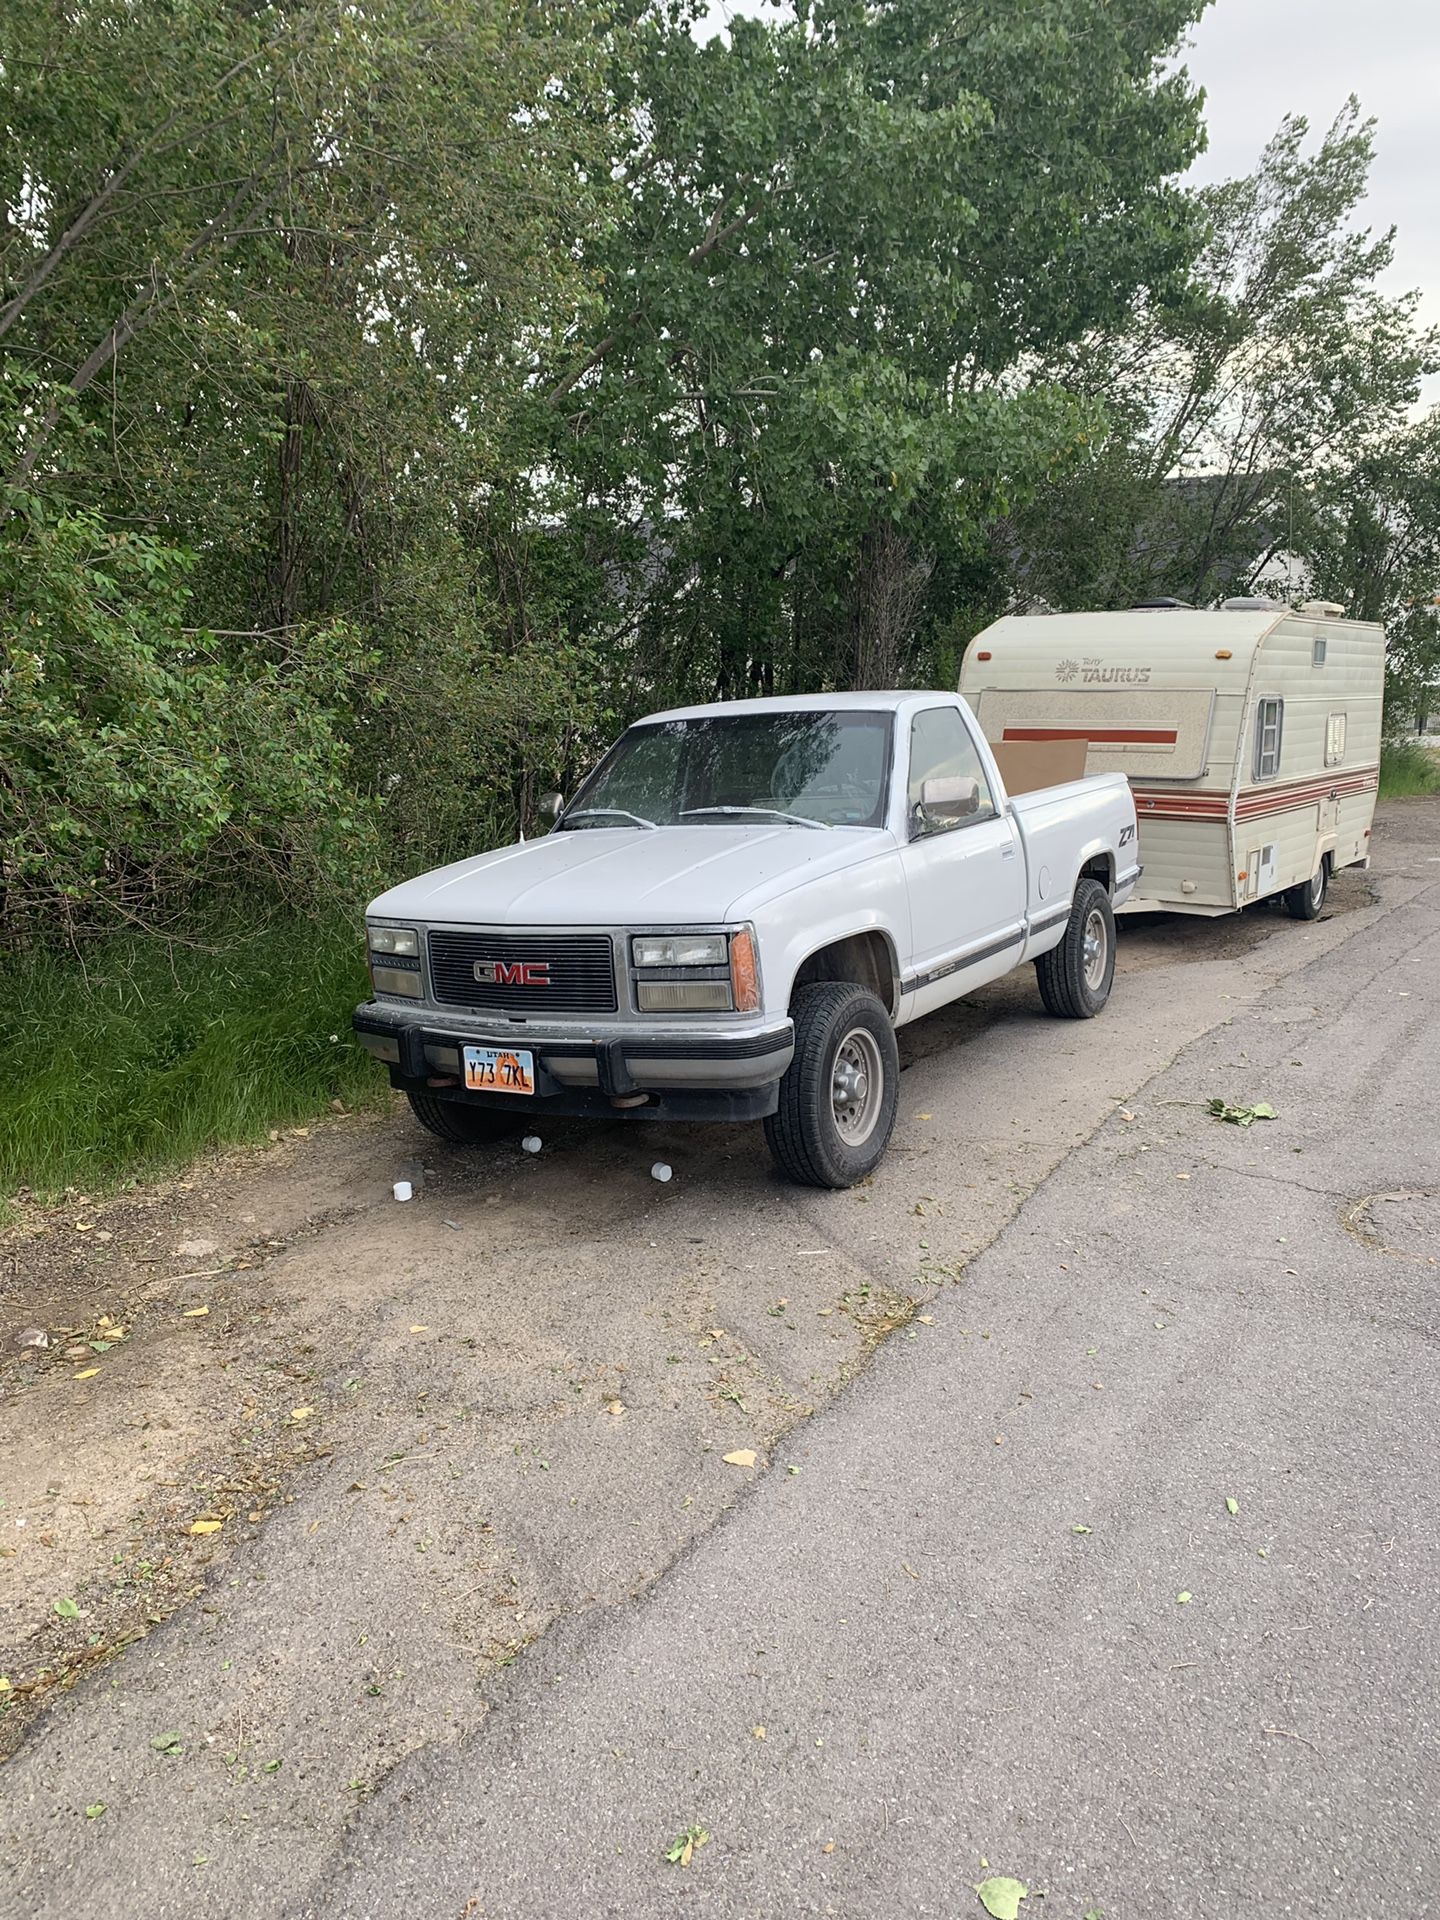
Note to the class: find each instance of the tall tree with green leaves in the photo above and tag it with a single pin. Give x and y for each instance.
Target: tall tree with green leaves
(1369, 539)
(1283, 362)
(848, 239)
(276, 314)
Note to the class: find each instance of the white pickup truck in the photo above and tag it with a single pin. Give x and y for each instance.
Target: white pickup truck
(732, 917)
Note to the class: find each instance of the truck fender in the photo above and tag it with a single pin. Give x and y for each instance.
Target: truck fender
(888, 989)
(1098, 850)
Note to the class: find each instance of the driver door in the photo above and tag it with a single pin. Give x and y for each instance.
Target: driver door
(964, 869)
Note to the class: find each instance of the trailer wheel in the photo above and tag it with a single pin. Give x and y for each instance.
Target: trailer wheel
(1075, 977)
(463, 1126)
(1305, 901)
(840, 1091)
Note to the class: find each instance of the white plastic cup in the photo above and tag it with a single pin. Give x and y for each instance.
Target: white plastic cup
(661, 1172)
(403, 1190)
(531, 1143)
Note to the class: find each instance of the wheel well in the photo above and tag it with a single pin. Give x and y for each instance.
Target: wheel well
(1101, 867)
(865, 958)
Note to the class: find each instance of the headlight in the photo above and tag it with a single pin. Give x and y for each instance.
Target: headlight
(684, 996)
(399, 940)
(680, 950)
(402, 981)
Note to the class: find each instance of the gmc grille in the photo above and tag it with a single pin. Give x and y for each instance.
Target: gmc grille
(581, 971)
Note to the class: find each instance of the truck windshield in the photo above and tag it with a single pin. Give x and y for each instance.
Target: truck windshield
(754, 769)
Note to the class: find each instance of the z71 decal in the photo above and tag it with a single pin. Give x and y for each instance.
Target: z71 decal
(1127, 834)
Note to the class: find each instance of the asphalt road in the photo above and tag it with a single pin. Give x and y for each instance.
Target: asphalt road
(947, 1673)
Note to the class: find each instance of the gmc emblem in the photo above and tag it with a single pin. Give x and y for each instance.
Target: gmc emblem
(513, 973)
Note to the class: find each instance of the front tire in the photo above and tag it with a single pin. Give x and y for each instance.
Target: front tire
(462, 1126)
(1075, 977)
(840, 1092)
(1305, 901)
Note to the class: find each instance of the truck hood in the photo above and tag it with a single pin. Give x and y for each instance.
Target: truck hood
(623, 876)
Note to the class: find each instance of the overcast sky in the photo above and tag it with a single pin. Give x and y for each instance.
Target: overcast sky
(1260, 59)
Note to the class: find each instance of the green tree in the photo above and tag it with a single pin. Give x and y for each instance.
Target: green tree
(1282, 362)
(1370, 539)
(848, 240)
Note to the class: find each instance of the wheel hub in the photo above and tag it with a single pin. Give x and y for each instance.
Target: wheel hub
(857, 1086)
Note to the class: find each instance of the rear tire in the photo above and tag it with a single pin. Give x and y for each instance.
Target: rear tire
(1075, 977)
(1306, 901)
(463, 1126)
(841, 1089)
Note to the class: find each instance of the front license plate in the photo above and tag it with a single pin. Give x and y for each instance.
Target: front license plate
(499, 1070)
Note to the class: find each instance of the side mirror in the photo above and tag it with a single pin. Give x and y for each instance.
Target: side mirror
(550, 806)
(954, 797)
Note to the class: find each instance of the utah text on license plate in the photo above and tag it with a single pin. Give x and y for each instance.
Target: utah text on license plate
(499, 1070)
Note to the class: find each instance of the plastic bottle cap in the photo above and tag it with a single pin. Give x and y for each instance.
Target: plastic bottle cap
(403, 1190)
(660, 1171)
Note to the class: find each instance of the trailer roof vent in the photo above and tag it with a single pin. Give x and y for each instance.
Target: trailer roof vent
(1320, 609)
(1164, 600)
(1251, 603)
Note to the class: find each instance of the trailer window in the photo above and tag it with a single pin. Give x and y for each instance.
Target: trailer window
(1317, 654)
(1268, 722)
(1334, 739)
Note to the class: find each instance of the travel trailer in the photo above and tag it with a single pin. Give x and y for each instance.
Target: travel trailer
(1250, 736)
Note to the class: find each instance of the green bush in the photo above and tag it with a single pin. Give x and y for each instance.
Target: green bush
(1407, 768)
(145, 765)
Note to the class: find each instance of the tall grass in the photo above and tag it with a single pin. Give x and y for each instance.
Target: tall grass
(1407, 768)
(151, 1053)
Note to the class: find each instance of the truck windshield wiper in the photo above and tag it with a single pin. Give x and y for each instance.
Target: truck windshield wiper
(761, 813)
(609, 813)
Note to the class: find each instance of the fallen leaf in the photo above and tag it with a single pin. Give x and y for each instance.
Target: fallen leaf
(829, 1847)
(94, 1810)
(681, 1850)
(742, 1457)
(1077, 1528)
(759, 1732)
(87, 1373)
(615, 1408)
(1182, 1599)
(206, 1526)
(194, 1313)
(1001, 1896)
(273, 1766)
(301, 1413)
(922, 1116)
(926, 1319)
(1232, 1505)
(67, 1609)
(172, 1745)
(84, 1226)
(420, 1329)
(1241, 1116)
